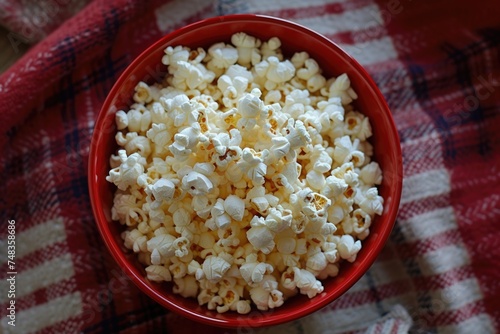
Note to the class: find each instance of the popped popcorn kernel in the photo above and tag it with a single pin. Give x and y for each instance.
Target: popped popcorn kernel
(245, 177)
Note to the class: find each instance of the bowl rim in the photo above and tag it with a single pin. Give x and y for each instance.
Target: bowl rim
(119, 256)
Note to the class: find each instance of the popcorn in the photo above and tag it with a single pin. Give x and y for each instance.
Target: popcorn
(348, 248)
(214, 268)
(222, 56)
(157, 273)
(129, 170)
(235, 207)
(185, 286)
(197, 184)
(244, 177)
(253, 271)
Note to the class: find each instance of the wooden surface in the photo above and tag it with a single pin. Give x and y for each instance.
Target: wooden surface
(11, 49)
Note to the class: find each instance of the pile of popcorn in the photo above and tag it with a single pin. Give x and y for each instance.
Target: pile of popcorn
(245, 178)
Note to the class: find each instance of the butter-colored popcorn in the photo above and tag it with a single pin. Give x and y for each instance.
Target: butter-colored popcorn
(158, 273)
(185, 286)
(243, 167)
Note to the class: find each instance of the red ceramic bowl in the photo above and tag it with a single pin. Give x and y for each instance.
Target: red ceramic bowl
(147, 67)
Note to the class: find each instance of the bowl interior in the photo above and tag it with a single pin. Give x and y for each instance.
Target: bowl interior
(147, 67)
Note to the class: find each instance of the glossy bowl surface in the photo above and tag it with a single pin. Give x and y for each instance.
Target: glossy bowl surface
(334, 61)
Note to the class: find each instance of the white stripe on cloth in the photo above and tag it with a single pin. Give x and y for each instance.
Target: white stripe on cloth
(42, 276)
(430, 183)
(428, 224)
(457, 295)
(176, 11)
(371, 52)
(45, 315)
(477, 324)
(352, 20)
(397, 321)
(37, 237)
(443, 259)
(277, 5)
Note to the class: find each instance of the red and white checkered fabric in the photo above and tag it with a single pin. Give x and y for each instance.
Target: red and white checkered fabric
(437, 64)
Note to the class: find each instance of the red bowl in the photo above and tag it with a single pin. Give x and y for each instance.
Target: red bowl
(334, 61)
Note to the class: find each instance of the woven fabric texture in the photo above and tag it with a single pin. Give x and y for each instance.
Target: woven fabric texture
(436, 63)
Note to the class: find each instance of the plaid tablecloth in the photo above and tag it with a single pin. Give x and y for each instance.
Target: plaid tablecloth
(437, 64)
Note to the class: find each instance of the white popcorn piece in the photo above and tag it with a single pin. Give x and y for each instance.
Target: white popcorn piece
(331, 270)
(341, 87)
(271, 48)
(138, 118)
(186, 286)
(316, 260)
(246, 45)
(348, 248)
(314, 205)
(371, 174)
(222, 56)
(143, 93)
(163, 244)
(178, 269)
(121, 119)
(297, 134)
(362, 221)
(235, 207)
(197, 184)
(135, 240)
(214, 268)
(181, 246)
(253, 271)
(160, 136)
(157, 273)
(307, 283)
(185, 141)
(242, 307)
(175, 54)
(161, 190)
(278, 72)
(250, 108)
(372, 202)
(260, 236)
(191, 76)
(221, 219)
(229, 298)
(346, 151)
(129, 170)
(252, 164)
